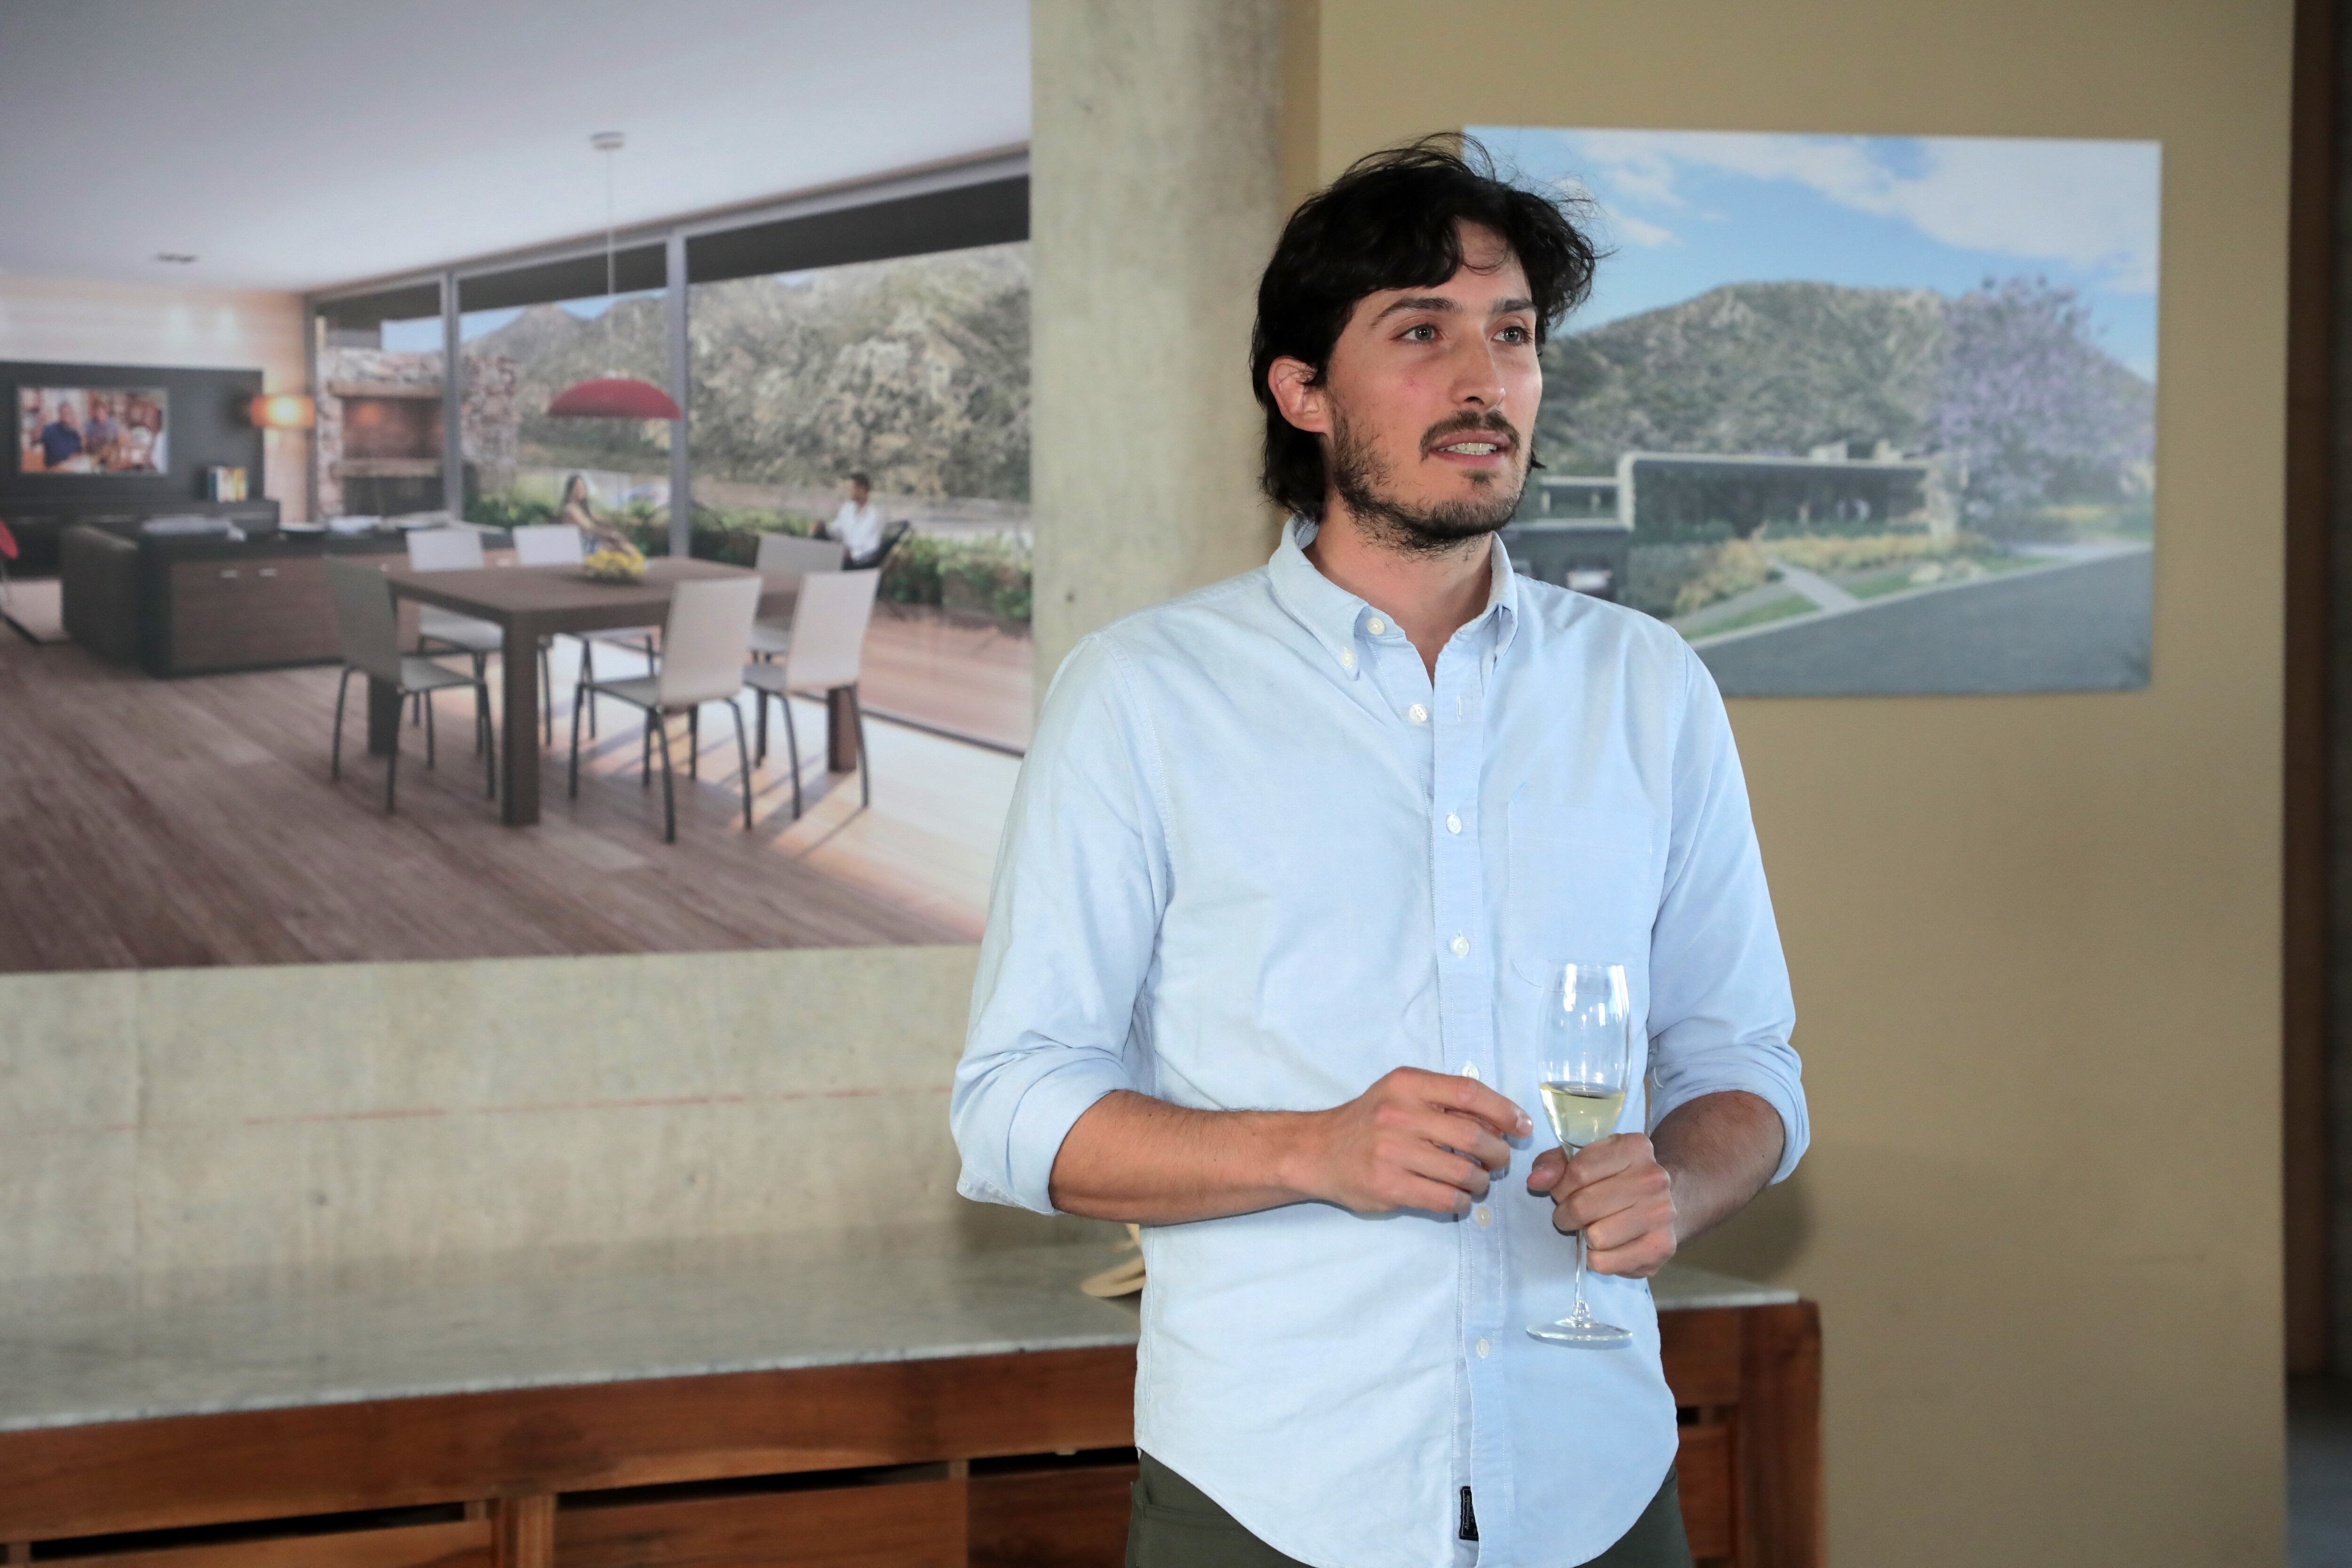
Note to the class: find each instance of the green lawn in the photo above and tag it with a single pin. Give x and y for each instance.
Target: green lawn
(1878, 585)
(1771, 610)
(1881, 584)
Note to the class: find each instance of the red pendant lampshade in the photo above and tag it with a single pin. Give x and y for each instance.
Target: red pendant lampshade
(615, 397)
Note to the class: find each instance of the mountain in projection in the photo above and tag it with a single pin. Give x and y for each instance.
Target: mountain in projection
(2009, 378)
(914, 370)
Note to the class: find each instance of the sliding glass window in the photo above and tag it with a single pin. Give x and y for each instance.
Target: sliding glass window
(887, 336)
(527, 334)
(914, 373)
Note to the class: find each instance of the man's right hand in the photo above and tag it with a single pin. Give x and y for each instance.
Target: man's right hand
(1413, 1140)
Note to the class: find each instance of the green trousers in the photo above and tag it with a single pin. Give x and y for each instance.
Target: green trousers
(1174, 1525)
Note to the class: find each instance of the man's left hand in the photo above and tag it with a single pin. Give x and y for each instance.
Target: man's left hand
(1617, 1193)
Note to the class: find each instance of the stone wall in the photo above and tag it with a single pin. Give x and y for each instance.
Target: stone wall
(489, 420)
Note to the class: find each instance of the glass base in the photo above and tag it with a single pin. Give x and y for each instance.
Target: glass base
(1582, 1331)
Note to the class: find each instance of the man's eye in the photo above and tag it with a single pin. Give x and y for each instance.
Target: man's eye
(1515, 335)
(1423, 333)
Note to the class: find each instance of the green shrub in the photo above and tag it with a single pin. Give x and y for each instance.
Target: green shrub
(509, 509)
(1670, 580)
(729, 536)
(1860, 553)
(988, 576)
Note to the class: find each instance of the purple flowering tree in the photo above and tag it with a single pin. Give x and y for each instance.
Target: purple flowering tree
(2030, 403)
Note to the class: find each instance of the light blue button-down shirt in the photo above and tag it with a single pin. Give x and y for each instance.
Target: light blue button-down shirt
(1258, 858)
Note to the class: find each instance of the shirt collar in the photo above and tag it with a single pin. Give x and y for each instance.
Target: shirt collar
(1336, 617)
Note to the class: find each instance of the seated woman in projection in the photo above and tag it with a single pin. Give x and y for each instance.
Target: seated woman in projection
(580, 511)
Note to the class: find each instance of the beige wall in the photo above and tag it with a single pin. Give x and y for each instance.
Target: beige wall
(2035, 939)
(1156, 194)
(125, 324)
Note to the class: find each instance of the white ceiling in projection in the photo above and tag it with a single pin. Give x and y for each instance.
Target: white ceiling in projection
(288, 144)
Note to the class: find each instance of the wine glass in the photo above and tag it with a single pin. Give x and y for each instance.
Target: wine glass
(1585, 1064)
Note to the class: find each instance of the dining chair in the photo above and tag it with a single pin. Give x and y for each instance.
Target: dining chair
(706, 644)
(367, 624)
(551, 544)
(453, 548)
(794, 556)
(560, 544)
(548, 544)
(828, 653)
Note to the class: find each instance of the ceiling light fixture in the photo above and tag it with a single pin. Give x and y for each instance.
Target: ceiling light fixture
(613, 395)
(176, 258)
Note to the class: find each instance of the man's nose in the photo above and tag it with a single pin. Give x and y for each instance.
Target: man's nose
(1478, 379)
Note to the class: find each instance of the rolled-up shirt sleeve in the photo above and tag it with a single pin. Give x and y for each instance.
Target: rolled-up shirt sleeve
(1073, 913)
(1720, 1010)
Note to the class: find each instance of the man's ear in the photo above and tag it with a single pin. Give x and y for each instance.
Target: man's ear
(1298, 392)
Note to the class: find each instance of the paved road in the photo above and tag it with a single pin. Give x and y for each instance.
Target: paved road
(2074, 628)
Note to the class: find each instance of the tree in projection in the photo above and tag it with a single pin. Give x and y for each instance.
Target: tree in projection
(2031, 405)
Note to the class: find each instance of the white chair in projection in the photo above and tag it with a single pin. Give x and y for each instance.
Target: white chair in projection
(705, 643)
(824, 654)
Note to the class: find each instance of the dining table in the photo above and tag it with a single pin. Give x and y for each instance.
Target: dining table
(531, 602)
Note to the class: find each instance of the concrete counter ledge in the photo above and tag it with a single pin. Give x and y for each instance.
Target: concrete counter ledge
(72, 1358)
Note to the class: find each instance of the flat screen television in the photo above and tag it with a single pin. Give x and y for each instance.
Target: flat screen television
(91, 429)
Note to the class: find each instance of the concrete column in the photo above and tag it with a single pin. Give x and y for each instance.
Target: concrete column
(1156, 192)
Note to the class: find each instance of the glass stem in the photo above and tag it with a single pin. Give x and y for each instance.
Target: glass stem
(1580, 1311)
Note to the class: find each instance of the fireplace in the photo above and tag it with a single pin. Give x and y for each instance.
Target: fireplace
(387, 436)
(380, 429)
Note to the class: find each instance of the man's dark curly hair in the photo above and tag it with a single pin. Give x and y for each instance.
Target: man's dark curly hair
(1392, 221)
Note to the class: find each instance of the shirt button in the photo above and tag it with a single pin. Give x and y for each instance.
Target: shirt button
(1418, 714)
(1485, 1217)
(1461, 946)
(1453, 822)
(1376, 625)
(1348, 657)
(1470, 1070)
(1483, 1347)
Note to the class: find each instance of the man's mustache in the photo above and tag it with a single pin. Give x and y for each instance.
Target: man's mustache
(1491, 422)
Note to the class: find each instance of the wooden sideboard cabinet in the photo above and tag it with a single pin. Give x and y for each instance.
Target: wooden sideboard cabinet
(237, 614)
(200, 604)
(1007, 1460)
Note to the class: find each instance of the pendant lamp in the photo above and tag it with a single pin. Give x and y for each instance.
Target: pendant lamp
(613, 396)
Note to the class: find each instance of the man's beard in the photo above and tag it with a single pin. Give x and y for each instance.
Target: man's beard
(1366, 484)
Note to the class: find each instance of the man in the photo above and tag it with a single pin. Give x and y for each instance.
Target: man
(61, 438)
(857, 526)
(1264, 965)
(100, 435)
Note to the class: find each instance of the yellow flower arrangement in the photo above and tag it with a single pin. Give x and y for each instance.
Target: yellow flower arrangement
(615, 564)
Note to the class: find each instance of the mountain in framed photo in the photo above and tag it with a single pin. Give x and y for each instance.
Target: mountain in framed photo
(1867, 415)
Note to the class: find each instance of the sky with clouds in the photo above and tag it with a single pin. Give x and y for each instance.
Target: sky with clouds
(1687, 211)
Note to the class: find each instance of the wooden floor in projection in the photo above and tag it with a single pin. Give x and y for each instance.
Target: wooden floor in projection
(969, 679)
(159, 823)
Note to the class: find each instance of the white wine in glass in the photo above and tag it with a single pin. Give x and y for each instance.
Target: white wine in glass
(1585, 1064)
(1582, 1113)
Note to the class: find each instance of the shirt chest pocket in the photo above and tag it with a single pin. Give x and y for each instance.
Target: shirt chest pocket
(1583, 883)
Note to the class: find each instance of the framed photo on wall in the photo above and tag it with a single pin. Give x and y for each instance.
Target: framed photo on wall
(96, 431)
(1868, 414)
